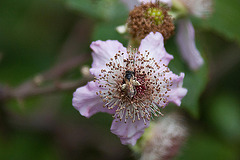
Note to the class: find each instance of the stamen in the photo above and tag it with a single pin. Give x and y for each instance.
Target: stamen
(143, 94)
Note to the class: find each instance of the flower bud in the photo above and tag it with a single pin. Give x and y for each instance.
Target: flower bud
(164, 138)
(85, 71)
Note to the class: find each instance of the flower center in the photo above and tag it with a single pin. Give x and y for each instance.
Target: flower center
(156, 13)
(135, 85)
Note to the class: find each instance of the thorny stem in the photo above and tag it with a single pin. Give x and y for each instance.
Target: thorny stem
(33, 87)
(58, 86)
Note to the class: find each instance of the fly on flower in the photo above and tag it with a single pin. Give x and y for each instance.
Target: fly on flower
(131, 84)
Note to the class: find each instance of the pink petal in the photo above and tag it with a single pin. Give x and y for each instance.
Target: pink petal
(130, 3)
(102, 52)
(186, 44)
(133, 139)
(177, 92)
(153, 43)
(168, 2)
(129, 132)
(87, 102)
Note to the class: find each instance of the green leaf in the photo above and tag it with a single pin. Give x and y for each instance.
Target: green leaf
(30, 37)
(105, 31)
(224, 115)
(25, 145)
(100, 9)
(225, 19)
(195, 82)
(202, 146)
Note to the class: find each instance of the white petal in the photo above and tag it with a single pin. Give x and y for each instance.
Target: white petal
(186, 44)
(122, 29)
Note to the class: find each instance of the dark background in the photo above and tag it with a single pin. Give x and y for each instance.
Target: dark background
(53, 37)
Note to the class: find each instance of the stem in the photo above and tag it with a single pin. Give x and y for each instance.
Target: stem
(32, 87)
(59, 86)
(134, 43)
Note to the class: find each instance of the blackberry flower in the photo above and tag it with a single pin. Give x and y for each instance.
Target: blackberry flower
(131, 84)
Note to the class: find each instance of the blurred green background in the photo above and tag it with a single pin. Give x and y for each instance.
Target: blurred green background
(36, 35)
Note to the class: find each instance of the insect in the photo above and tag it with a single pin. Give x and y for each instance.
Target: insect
(130, 83)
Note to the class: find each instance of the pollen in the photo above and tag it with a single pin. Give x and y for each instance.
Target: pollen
(135, 86)
(150, 17)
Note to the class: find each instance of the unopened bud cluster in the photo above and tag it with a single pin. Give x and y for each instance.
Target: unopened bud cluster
(157, 14)
(164, 139)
